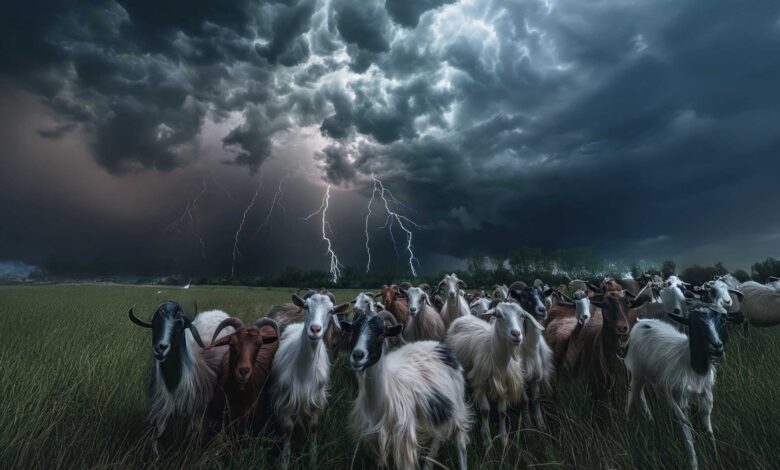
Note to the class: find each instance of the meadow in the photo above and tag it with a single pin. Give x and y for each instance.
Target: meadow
(72, 395)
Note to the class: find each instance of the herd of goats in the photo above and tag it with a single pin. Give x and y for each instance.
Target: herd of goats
(415, 349)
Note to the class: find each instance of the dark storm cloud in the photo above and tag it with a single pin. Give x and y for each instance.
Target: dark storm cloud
(542, 123)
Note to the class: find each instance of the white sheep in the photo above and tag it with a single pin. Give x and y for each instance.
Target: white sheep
(677, 365)
(409, 397)
(301, 370)
(491, 356)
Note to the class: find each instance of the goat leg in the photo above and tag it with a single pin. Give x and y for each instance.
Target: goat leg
(502, 418)
(313, 421)
(484, 409)
(680, 410)
(432, 451)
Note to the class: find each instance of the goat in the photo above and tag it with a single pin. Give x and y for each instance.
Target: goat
(301, 370)
(409, 397)
(760, 304)
(593, 352)
(530, 298)
(679, 366)
(479, 306)
(289, 313)
(717, 292)
(491, 356)
(394, 303)
(501, 292)
(424, 322)
(364, 302)
(774, 282)
(455, 304)
(183, 376)
(247, 366)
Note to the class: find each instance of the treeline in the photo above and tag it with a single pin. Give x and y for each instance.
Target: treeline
(553, 267)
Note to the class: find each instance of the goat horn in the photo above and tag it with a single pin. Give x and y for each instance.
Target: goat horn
(137, 320)
(267, 321)
(533, 320)
(519, 284)
(231, 321)
(194, 331)
(330, 295)
(387, 316)
(462, 284)
(309, 293)
(425, 286)
(440, 285)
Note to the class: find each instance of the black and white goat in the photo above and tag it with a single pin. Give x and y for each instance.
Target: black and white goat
(679, 366)
(409, 397)
(183, 375)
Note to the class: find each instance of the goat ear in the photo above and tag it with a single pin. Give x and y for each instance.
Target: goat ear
(223, 341)
(486, 316)
(549, 292)
(341, 308)
(678, 318)
(394, 330)
(297, 301)
(739, 294)
(346, 325)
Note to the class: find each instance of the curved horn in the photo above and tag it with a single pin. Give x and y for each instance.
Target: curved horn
(137, 320)
(387, 316)
(462, 284)
(425, 286)
(440, 286)
(405, 285)
(266, 321)
(517, 285)
(231, 321)
(309, 293)
(329, 294)
(194, 331)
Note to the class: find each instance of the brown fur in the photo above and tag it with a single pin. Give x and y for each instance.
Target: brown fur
(395, 304)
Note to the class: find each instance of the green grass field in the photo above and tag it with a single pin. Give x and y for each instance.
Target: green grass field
(72, 395)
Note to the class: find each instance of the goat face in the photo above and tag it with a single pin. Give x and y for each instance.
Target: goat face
(368, 335)
(581, 307)
(614, 311)
(244, 346)
(318, 311)
(388, 294)
(532, 300)
(716, 292)
(673, 299)
(168, 324)
(415, 298)
(707, 333)
(364, 302)
(453, 286)
(501, 292)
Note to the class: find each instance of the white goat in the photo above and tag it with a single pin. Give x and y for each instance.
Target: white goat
(424, 321)
(479, 306)
(301, 370)
(409, 397)
(760, 304)
(455, 304)
(491, 356)
(677, 365)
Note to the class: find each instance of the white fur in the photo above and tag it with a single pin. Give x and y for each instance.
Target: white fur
(389, 413)
(479, 306)
(761, 304)
(491, 358)
(455, 304)
(659, 356)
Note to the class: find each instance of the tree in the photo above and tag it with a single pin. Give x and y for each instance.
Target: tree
(668, 268)
(741, 275)
(762, 270)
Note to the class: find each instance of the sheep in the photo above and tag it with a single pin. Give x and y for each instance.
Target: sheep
(409, 397)
(491, 356)
(679, 366)
(246, 368)
(183, 376)
(301, 370)
(455, 304)
(760, 304)
(394, 303)
(424, 322)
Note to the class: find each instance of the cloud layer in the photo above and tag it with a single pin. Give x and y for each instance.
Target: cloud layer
(545, 123)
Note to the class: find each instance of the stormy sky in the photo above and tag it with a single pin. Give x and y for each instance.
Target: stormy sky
(643, 129)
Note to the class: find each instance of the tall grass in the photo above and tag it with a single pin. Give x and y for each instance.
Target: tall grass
(72, 395)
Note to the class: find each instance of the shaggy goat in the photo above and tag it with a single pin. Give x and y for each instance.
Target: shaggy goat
(395, 303)
(301, 370)
(424, 322)
(479, 306)
(760, 304)
(246, 368)
(409, 397)
(183, 376)
(491, 356)
(678, 366)
(455, 304)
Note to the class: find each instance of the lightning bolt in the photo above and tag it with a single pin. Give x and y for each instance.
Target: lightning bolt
(394, 217)
(335, 266)
(276, 201)
(243, 221)
(368, 214)
(178, 223)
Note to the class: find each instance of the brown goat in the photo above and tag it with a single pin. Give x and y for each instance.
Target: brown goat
(395, 303)
(246, 368)
(592, 350)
